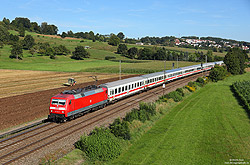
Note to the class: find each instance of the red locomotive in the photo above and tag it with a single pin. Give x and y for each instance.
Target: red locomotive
(72, 103)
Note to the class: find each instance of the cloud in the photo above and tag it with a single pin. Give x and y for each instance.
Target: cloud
(191, 11)
(78, 26)
(137, 10)
(76, 10)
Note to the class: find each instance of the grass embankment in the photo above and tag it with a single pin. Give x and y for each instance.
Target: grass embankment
(209, 127)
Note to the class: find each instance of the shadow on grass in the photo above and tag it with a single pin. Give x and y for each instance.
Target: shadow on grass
(240, 101)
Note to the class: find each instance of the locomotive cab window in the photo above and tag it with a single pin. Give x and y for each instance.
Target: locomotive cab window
(58, 102)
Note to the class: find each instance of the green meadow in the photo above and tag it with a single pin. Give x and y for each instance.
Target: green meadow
(96, 62)
(208, 127)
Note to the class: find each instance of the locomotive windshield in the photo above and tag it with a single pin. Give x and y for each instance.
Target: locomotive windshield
(58, 102)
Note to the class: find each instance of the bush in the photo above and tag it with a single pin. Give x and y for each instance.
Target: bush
(110, 57)
(217, 73)
(52, 56)
(201, 81)
(100, 145)
(192, 84)
(120, 129)
(180, 91)
(191, 89)
(148, 107)
(143, 115)
(133, 115)
(146, 110)
(176, 96)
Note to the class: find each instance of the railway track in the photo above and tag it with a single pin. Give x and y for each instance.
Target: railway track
(20, 145)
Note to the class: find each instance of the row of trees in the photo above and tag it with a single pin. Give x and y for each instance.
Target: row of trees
(112, 38)
(156, 53)
(21, 24)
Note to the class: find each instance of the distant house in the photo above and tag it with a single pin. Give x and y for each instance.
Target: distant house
(139, 43)
(245, 47)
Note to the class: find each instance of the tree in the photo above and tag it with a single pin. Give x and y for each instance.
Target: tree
(70, 34)
(13, 39)
(21, 32)
(48, 29)
(28, 42)
(91, 35)
(145, 54)
(120, 35)
(235, 61)
(17, 51)
(33, 51)
(132, 52)
(49, 51)
(6, 21)
(42, 48)
(160, 54)
(209, 55)
(1, 44)
(60, 50)
(217, 73)
(80, 53)
(35, 27)
(4, 34)
(122, 49)
(114, 40)
(20, 22)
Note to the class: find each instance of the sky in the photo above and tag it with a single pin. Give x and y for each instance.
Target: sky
(228, 19)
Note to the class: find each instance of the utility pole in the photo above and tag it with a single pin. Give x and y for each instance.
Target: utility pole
(163, 86)
(206, 64)
(120, 76)
(177, 62)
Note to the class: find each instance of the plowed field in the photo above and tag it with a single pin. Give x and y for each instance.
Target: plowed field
(25, 95)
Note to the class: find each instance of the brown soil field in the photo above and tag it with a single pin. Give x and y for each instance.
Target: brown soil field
(25, 95)
(55, 36)
(16, 82)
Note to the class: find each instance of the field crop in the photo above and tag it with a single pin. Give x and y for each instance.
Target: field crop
(16, 82)
(209, 127)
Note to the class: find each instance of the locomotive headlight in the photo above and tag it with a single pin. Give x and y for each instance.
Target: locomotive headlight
(62, 111)
(51, 111)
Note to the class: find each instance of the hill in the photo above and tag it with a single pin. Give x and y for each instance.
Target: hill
(96, 62)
